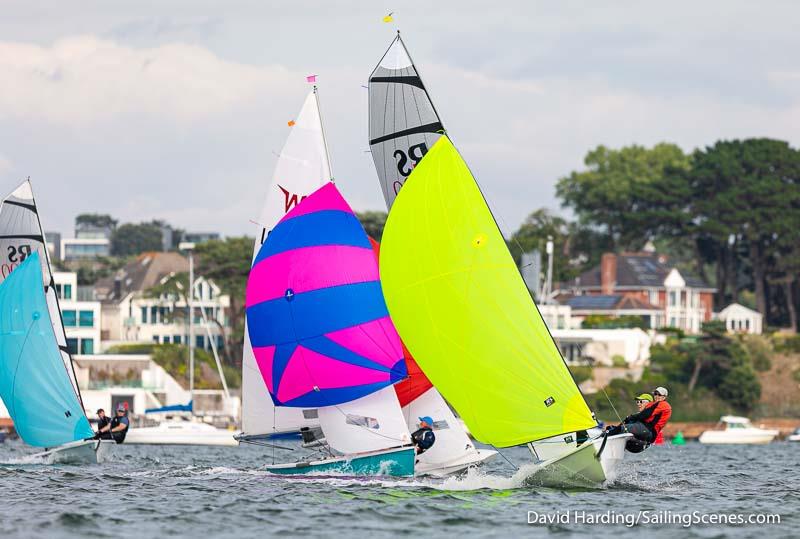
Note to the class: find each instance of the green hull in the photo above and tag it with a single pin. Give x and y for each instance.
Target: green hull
(395, 462)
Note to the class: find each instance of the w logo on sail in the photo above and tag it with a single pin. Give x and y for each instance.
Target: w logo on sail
(290, 199)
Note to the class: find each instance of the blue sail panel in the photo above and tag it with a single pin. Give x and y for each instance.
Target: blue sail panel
(34, 383)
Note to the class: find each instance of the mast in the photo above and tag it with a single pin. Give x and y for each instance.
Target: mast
(324, 138)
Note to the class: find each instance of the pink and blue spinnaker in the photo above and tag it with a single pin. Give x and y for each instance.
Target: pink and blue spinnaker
(316, 316)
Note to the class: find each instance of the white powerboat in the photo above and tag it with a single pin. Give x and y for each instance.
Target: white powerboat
(738, 430)
(182, 431)
(794, 437)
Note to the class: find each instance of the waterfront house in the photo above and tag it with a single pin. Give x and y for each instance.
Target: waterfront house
(740, 319)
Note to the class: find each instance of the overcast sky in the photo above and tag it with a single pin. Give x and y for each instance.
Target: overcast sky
(175, 109)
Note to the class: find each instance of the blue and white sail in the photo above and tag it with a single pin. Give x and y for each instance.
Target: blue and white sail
(21, 236)
(35, 384)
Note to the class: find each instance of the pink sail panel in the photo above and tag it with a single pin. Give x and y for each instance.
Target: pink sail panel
(309, 268)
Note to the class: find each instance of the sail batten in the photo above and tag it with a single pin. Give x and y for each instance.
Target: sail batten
(463, 310)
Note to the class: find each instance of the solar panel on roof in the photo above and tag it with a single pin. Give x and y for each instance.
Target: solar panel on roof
(593, 302)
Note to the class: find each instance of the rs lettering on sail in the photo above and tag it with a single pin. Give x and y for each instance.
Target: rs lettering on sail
(414, 154)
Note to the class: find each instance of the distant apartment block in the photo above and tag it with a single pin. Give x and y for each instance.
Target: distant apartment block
(53, 242)
(81, 318)
(78, 248)
(641, 284)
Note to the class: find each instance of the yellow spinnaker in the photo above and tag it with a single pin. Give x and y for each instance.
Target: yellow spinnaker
(463, 310)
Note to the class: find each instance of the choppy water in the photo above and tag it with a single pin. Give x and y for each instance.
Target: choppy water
(212, 492)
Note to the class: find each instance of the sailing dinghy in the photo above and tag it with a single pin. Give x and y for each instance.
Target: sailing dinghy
(461, 307)
(37, 380)
(403, 124)
(322, 339)
(303, 167)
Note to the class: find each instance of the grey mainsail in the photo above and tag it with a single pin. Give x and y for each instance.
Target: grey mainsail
(403, 123)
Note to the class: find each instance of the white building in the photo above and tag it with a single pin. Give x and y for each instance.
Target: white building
(77, 248)
(740, 319)
(106, 380)
(82, 319)
(131, 314)
(601, 346)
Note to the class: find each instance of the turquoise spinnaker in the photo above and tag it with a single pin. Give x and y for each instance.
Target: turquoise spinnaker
(34, 383)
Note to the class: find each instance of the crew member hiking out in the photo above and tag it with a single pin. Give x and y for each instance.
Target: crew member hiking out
(424, 437)
(654, 412)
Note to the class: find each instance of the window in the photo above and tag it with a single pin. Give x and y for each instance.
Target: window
(673, 322)
(166, 339)
(72, 346)
(153, 314)
(673, 299)
(654, 297)
(87, 346)
(176, 339)
(163, 313)
(200, 341)
(747, 324)
(67, 291)
(70, 320)
(144, 315)
(86, 319)
(155, 339)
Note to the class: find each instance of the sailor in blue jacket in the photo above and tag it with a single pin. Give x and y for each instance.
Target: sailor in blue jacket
(424, 437)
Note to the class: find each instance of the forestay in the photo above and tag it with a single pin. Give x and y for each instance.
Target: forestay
(403, 123)
(34, 385)
(302, 168)
(21, 236)
(462, 309)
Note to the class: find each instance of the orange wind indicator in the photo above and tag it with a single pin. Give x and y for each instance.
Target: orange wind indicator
(290, 123)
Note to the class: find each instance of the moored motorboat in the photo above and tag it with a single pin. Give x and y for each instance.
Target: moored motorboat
(738, 430)
(182, 431)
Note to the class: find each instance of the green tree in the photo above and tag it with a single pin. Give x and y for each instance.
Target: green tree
(133, 239)
(227, 263)
(373, 222)
(740, 387)
(618, 185)
(747, 191)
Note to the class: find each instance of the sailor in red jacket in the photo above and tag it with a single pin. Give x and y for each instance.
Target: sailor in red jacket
(647, 424)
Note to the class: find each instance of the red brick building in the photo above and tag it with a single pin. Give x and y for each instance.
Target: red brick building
(641, 284)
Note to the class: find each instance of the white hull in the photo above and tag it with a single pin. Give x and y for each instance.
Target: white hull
(738, 436)
(81, 452)
(181, 433)
(793, 438)
(464, 461)
(580, 467)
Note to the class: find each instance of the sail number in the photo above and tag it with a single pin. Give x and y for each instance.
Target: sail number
(406, 161)
(16, 255)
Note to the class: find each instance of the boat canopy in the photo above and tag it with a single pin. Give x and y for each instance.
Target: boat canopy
(34, 382)
(316, 317)
(461, 307)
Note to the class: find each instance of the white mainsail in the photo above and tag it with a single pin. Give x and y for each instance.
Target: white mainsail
(21, 235)
(303, 166)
